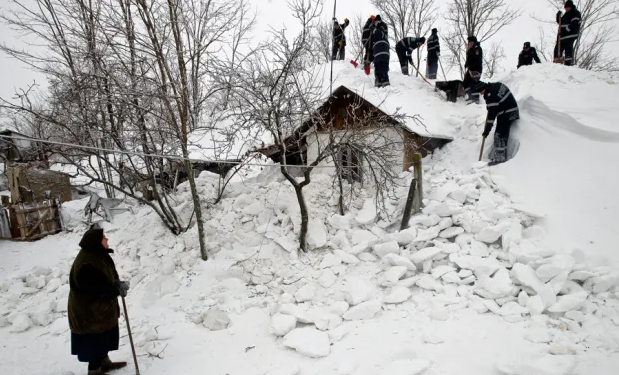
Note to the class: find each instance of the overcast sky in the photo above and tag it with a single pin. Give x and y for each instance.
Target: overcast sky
(274, 13)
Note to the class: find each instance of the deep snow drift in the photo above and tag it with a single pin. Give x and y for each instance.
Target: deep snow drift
(476, 286)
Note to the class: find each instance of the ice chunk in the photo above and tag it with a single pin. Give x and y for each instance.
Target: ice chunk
(398, 260)
(330, 260)
(602, 284)
(493, 233)
(535, 305)
(428, 282)
(392, 275)
(444, 209)
(424, 254)
(453, 278)
(360, 236)
(523, 298)
(367, 257)
(479, 249)
(397, 294)
(327, 278)
(316, 234)
(441, 270)
(569, 302)
(439, 194)
(325, 320)
(308, 341)
(346, 257)
(339, 222)
(367, 215)
(364, 310)
(424, 235)
(287, 244)
(498, 286)
(305, 293)
(357, 291)
(405, 237)
(216, 320)
(451, 232)
(556, 265)
(281, 324)
(527, 277)
(21, 323)
(383, 249)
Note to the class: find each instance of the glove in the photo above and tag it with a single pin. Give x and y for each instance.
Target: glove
(341, 43)
(345, 20)
(559, 13)
(486, 132)
(410, 60)
(123, 288)
(438, 54)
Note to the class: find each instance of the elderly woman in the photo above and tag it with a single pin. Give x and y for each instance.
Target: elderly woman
(93, 304)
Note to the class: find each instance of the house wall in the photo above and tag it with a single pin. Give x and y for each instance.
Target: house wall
(317, 141)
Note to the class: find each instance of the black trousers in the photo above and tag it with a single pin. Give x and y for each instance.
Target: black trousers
(467, 83)
(501, 137)
(334, 52)
(401, 52)
(432, 65)
(381, 73)
(567, 47)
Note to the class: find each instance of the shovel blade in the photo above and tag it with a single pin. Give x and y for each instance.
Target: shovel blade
(354, 63)
(367, 69)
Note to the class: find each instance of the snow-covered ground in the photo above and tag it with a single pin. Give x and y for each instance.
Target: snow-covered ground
(480, 284)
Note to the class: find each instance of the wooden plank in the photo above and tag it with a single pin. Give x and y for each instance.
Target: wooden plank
(37, 224)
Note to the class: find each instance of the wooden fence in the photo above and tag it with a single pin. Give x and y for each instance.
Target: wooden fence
(33, 221)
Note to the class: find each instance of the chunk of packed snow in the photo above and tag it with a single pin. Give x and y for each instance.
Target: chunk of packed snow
(600, 284)
(364, 310)
(281, 324)
(327, 278)
(397, 294)
(424, 254)
(305, 293)
(538, 335)
(287, 243)
(398, 260)
(478, 249)
(428, 282)
(383, 249)
(339, 222)
(405, 236)
(330, 260)
(216, 320)
(326, 321)
(21, 323)
(451, 232)
(425, 220)
(316, 234)
(444, 209)
(453, 278)
(493, 233)
(392, 275)
(367, 257)
(439, 314)
(535, 305)
(539, 364)
(556, 265)
(346, 257)
(357, 291)
(441, 270)
(368, 214)
(338, 333)
(527, 277)
(424, 235)
(445, 223)
(308, 341)
(360, 236)
(569, 302)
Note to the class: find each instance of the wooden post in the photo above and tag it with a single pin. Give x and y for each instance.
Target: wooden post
(419, 178)
(409, 205)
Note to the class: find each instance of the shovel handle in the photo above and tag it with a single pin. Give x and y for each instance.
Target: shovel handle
(481, 151)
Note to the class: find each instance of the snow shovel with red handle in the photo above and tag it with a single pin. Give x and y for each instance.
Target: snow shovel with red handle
(135, 358)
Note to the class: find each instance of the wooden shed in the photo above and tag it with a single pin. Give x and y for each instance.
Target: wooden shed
(28, 184)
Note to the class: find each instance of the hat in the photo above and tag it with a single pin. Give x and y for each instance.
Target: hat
(377, 18)
(472, 39)
(479, 86)
(372, 17)
(527, 44)
(422, 40)
(91, 240)
(434, 30)
(569, 3)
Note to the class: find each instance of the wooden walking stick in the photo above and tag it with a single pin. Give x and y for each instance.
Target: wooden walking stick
(421, 75)
(135, 358)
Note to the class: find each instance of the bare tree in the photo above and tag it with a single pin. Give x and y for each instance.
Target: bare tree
(492, 59)
(322, 41)
(480, 18)
(283, 93)
(129, 81)
(597, 30)
(355, 35)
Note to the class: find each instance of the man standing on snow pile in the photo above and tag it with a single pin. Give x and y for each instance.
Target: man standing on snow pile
(474, 63)
(404, 49)
(434, 52)
(502, 106)
(568, 32)
(368, 28)
(527, 55)
(339, 40)
(380, 49)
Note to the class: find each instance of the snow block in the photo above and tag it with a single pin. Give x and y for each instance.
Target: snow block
(316, 234)
(308, 341)
(383, 249)
(404, 237)
(397, 294)
(398, 260)
(282, 324)
(357, 291)
(216, 320)
(392, 275)
(364, 310)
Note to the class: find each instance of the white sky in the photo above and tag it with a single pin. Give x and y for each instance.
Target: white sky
(275, 13)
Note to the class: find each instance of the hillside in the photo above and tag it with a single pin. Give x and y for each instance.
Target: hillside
(480, 285)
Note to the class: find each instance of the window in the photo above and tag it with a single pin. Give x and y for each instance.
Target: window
(350, 164)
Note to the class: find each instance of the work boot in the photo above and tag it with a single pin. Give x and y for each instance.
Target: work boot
(108, 365)
(405, 70)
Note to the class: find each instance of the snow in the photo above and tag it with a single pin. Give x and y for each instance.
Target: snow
(486, 277)
(308, 341)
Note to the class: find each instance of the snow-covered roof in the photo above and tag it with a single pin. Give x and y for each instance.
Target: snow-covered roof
(407, 95)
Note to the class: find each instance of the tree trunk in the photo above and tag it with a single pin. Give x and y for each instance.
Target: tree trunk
(304, 218)
(196, 204)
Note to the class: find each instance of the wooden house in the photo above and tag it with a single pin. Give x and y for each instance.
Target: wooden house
(349, 110)
(16, 148)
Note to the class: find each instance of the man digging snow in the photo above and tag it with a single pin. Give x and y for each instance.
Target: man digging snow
(502, 106)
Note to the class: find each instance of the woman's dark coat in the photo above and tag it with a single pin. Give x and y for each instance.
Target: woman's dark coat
(93, 298)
